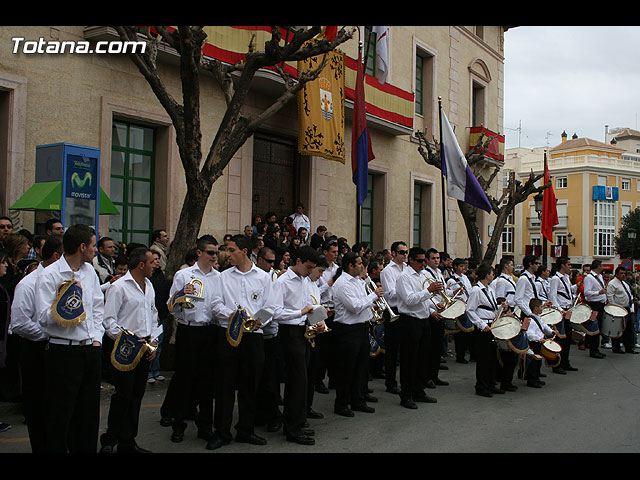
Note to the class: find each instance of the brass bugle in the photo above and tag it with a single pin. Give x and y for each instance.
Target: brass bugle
(380, 306)
(448, 301)
(147, 345)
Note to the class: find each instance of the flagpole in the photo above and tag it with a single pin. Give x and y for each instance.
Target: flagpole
(544, 237)
(444, 196)
(358, 206)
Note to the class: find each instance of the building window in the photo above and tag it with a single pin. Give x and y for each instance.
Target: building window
(626, 184)
(604, 229)
(561, 239)
(366, 215)
(478, 105)
(417, 214)
(508, 234)
(535, 240)
(424, 87)
(419, 98)
(132, 172)
(370, 51)
(561, 182)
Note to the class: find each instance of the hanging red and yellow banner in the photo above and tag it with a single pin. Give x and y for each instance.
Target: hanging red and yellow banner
(321, 109)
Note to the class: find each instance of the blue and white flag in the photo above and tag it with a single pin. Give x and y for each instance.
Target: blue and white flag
(461, 183)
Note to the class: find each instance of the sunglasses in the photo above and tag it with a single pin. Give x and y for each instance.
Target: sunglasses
(267, 260)
(402, 252)
(420, 260)
(210, 252)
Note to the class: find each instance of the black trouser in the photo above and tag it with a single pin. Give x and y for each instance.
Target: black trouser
(124, 409)
(32, 368)
(237, 368)
(415, 337)
(296, 351)
(434, 353)
(352, 348)
(565, 343)
(532, 368)
(72, 394)
(391, 346)
(628, 338)
(312, 370)
(484, 351)
(326, 350)
(195, 350)
(268, 394)
(506, 365)
(462, 342)
(593, 341)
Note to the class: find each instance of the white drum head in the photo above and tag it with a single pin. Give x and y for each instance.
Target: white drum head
(456, 309)
(552, 346)
(580, 313)
(551, 315)
(506, 327)
(615, 310)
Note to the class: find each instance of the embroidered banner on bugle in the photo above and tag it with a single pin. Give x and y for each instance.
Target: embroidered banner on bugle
(321, 109)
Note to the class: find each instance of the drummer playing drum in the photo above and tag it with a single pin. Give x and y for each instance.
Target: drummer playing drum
(562, 295)
(536, 333)
(619, 293)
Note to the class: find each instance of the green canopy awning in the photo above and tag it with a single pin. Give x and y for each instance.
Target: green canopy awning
(48, 195)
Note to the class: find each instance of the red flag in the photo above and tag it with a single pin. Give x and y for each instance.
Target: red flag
(361, 151)
(549, 210)
(331, 33)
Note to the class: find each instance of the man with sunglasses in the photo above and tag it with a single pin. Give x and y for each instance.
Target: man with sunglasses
(195, 342)
(388, 278)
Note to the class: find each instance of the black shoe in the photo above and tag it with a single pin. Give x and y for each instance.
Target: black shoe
(166, 421)
(425, 399)
(313, 414)
(370, 398)
(630, 350)
(132, 449)
(274, 426)
(320, 388)
(541, 382)
(443, 367)
(597, 355)
(178, 433)
(541, 375)
(106, 449)
(205, 435)
(617, 350)
(437, 381)
(408, 403)
(251, 438)
(217, 442)
(534, 384)
(430, 384)
(394, 390)
(484, 393)
(345, 412)
(497, 390)
(569, 368)
(559, 370)
(301, 439)
(508, 387)
(363, 408)
(462, 360)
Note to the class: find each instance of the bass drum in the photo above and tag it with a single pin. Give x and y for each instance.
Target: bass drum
(509, 335)
(613, 321)
(551, 315)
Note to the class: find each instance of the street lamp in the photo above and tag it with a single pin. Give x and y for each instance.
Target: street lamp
(631, 235)
(538, 199)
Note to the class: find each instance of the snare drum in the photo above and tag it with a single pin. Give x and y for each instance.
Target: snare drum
(551, 315)
(508, 334)
(550, 351)
(613, 321)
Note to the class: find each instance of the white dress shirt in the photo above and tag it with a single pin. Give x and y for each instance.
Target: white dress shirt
(542, 287)
(253, 290)
(200, 314)
(504, 287)
(49, 280)
(312, 291)
(326, 290)
(561, 292)
(455, 282)
(413, 298)
(435, 274)
(534, 333)
(619, 293)
(126, 305)
(301, 220)
(292, 290)
(352, 303)
(23, 308)
(482, 307)
(270, 330)
(592, 285)
(525, 291)
(388, 278)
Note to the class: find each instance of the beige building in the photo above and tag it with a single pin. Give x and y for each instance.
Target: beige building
(595, 183)
(102, 101)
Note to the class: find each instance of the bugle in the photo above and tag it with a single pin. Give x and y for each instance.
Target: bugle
(381, 305)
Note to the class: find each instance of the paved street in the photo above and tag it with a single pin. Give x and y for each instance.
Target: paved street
(603, 396)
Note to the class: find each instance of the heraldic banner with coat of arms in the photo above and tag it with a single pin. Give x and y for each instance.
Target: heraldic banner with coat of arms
(321, 109)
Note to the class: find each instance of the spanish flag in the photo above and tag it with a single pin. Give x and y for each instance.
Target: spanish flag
(321, 109)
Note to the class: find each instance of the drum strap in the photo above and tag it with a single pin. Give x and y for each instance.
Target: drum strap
(489, 296)
(566, 288)
(535, 290)
(546, 294)
(537, 322)
(628, 294)
(597, 277)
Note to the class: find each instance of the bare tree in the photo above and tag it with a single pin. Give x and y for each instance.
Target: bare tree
(235, 82)
(514, 193)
